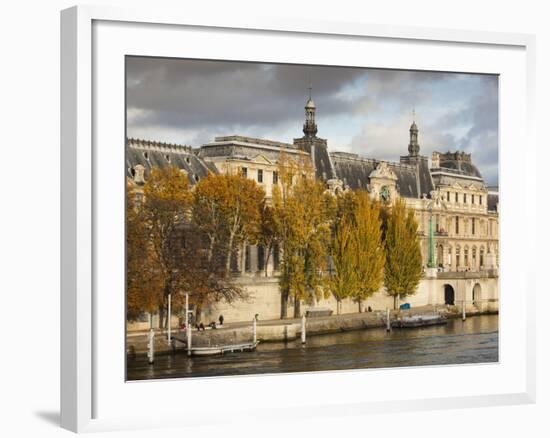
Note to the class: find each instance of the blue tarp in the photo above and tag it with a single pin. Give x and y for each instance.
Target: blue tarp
(404, 306)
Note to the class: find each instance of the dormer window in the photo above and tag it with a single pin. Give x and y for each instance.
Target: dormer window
(196, 178)
(187, 160)
(167, 157)
(146, 155)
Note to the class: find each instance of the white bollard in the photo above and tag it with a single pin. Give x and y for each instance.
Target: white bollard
(151, 345)
(388, 322)
(303, 329)
(254, 335)
(463, 310)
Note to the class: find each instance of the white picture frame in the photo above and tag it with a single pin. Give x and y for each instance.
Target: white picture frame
(88, 395)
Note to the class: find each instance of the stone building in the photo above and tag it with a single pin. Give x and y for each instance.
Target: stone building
(456, 211)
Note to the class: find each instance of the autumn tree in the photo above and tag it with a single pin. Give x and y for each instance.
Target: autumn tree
(403, 269)
(343, 280)
(367, 247)
(143, 286)
(302, 213)
(165, 205)
(227, 208)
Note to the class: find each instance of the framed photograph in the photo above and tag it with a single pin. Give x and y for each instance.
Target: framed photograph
(262, 208)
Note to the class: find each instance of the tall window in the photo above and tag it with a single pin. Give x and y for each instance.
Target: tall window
(456, 197)
(465, 198)
(466, 256)
(480, 200)
(261, 258)
(457, 257)
(275, 177)
(474, 258)
(473, 201)
(457, 225)
(247, 262)
(244, 171)
(481, 254)
(260, 176)
(276, 257)
(448, 196)
(473, 226)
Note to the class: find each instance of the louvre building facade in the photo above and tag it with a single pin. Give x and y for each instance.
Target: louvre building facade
(447, 191)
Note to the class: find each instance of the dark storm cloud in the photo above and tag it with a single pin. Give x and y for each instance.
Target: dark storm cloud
(191, 94)
(361, 110)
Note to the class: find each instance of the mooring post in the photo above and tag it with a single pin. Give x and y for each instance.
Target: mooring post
(303, 329)
(388, 323)
(187, 326)
(254, 335)
(464, 309)
(151, 345)
(169, 317)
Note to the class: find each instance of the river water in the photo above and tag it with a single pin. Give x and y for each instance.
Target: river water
(472, 341)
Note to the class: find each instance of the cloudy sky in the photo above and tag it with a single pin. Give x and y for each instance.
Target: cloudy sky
(366, 111)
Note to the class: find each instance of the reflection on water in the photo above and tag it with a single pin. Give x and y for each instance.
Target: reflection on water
(472, 341)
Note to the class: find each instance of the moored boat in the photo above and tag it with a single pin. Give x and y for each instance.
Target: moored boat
(419, 321)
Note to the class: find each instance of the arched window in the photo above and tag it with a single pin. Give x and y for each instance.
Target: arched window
(481, 254)
(457, 225)
(466, 257)
(474, 258)
(457, 254)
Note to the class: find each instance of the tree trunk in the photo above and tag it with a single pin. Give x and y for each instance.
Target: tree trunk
(161, 316)
(296, 308)
(284, 303)
(198, 313)
(360, 303)
(395, 301)
(211, 249)
(267, 256)
(229, 252)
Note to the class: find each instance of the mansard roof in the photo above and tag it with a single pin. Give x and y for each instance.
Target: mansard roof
(413, 180)
(459, 163)
(156, 154)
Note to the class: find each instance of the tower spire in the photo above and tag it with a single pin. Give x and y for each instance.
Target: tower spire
(310, 127)
(414, 147)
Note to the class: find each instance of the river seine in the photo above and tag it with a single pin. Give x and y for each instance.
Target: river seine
(472, 341)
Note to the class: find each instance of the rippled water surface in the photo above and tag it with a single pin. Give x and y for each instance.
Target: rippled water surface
(472, 341)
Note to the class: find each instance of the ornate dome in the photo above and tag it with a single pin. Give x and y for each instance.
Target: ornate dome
(310, 104)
